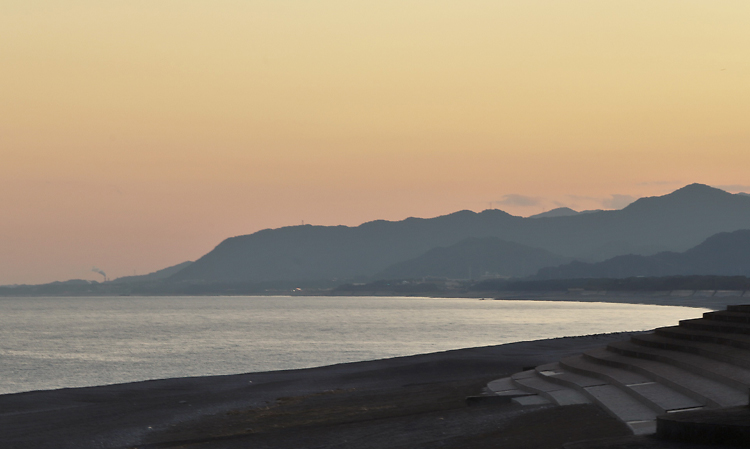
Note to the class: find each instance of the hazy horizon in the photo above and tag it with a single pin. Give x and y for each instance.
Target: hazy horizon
(138, 135)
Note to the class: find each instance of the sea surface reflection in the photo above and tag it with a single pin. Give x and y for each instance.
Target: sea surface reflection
(48, 343)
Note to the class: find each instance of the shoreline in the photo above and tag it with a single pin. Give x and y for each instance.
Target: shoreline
(413, 401)
(677, 299)
(54, 381)
(710, 299)
(320, 403)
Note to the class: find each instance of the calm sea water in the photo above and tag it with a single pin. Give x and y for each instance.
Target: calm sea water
(48, 343)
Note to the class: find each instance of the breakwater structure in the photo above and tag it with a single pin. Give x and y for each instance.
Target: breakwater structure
(681, 383)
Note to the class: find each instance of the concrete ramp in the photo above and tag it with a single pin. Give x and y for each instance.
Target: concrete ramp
(696, 367)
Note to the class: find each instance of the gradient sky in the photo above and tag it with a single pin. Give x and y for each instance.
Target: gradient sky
(139, 134)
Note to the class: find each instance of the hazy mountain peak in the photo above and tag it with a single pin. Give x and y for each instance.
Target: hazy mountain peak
(698, 189)
(494, 213)
(690, 196)
(559, 212)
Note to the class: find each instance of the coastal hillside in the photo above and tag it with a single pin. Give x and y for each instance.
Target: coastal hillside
(473, 258)
(159, 275)
(724, 254)
(673, 222)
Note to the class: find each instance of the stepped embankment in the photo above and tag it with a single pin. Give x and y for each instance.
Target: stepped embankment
(686, 383)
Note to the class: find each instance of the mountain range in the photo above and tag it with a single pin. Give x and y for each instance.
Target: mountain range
(673, 222)
(725, 254)
(562, 212)
(474, 258)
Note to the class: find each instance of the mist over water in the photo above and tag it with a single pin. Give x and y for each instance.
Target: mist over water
(48, 343)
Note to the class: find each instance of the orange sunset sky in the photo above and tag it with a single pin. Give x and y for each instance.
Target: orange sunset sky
(138, 134)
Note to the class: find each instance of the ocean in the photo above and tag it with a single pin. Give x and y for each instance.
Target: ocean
(49, 343)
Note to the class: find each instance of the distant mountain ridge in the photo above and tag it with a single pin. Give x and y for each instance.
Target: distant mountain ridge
(472, 258)
(673, 222)
(563, 212)
(559, 212)
(723, 254)
(158, 275)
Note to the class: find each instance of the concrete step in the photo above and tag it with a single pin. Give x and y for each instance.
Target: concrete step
(716, 326)
(614, 375)
(723, 353)
(662, 398)
(658, 397)
(640, 418)
(564, 388)
(707, 391)
(728, 316)
(556, 373)
(726, 373)
(530, 381)
(505, 387)
(741, 341)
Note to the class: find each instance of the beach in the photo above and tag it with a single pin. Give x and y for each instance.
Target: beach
(415, 401)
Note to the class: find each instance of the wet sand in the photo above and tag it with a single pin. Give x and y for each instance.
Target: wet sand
(405, 402)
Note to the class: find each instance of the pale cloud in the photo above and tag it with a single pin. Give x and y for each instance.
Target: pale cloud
(617, 201)
(514, 199)
(734, 187)
(583, 198)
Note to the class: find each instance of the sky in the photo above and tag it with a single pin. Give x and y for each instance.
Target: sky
(135, 135)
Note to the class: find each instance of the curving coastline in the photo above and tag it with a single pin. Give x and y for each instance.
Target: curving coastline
(414, 401)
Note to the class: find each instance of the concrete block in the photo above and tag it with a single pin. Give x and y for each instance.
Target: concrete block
(531, 400)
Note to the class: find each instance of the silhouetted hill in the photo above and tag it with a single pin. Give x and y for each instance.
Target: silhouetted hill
(164, 273)
(665, 284)
(559, 212)
(563, 212)
(724, 254)
(472, 258)
(673, 222)
(326, 252)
